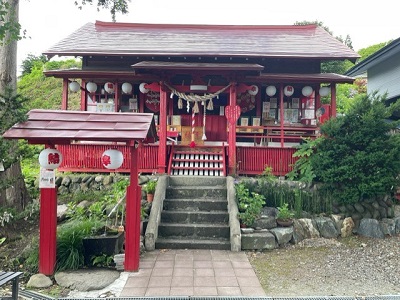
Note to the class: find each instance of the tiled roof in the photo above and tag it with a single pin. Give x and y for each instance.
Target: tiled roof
(63, 127)
(293, 41)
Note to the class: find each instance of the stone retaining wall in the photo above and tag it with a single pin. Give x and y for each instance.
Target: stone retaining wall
(71, 184)
(266, 235)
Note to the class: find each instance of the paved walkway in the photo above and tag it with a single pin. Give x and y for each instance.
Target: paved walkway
(193, 273)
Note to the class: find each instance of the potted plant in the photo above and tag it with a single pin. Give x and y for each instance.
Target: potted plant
(150, 189)
(285, 215)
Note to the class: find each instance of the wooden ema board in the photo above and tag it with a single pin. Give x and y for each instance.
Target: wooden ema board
(186, 137)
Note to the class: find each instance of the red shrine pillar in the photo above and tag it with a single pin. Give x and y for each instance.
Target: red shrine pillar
(333, 100)
(64, 102)
(232, 113)
(281, 114)
(162, 131)
(132, 228)
(47, 230)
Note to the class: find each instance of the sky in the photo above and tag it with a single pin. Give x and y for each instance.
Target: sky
(49, 21)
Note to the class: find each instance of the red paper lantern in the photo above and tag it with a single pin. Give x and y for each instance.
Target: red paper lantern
(112, 159)
(50, 158)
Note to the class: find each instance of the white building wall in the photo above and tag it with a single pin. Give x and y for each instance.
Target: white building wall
(385, 77)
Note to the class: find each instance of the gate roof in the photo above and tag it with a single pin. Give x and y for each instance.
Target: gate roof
(64, 127)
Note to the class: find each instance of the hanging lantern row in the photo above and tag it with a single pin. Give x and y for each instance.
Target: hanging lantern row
(289, 90)
(91, 87)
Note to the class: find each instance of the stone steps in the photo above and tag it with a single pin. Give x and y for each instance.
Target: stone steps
(195, 214)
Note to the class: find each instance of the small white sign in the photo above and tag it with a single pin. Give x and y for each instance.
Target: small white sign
(47, 178)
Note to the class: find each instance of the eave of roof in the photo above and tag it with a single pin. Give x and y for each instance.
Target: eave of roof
(376, 58)
(100, 74)
(301, 78)
(63, 127)
(128, 39)
(261, 78)
(161, 65)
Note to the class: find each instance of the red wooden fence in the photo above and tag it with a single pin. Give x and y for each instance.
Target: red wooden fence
(87, 158)
(251, 160)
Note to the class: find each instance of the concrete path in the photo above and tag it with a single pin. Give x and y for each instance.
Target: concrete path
(193, 273)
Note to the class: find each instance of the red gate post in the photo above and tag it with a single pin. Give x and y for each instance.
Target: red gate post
(47, 230)
(132, 228)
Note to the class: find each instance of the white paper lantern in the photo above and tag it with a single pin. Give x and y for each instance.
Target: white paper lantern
(270, 90)
(288, 90)
(74, 86)
(91, 87)
(253, 90)
(109, 87)
(112, 159)
(50, 158)
(324, 91)
(126, 87)
(142, 88)
(307, 91)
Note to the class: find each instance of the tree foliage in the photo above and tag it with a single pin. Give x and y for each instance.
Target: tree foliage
(32, 60)
(368, 51)
(10, 29)
(358, 158)
(114, 6)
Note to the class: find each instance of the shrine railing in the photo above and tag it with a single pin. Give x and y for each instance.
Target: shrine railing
(250, 160)
(253, 160)
(87, 158)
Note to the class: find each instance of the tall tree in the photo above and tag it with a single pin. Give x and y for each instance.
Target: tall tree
(12, 186)
(13, 191)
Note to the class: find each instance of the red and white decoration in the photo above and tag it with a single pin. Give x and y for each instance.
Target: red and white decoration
(288, 90)
(50, 158)
(112, 159)
(109, 87)
(253, 90)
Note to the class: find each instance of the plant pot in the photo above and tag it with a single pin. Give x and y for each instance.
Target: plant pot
(284, 223)
(109, 244)
(150, 197)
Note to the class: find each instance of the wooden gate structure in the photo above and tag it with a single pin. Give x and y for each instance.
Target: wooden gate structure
(55, 128)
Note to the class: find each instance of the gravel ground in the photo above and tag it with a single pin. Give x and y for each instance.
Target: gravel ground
(321, 267)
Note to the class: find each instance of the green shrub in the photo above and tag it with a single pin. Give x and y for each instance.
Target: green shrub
(249, 203)
(299, 196)
(358, 158)
(70, 252)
